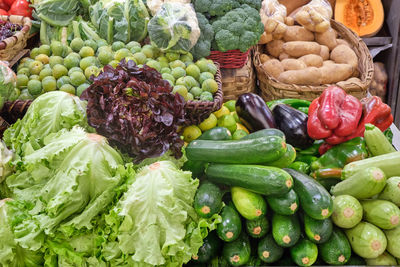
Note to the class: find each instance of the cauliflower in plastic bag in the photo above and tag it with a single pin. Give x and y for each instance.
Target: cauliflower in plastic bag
(273, 16)
(315, 16)
(8, 81)
(155, 5)
(174, 27)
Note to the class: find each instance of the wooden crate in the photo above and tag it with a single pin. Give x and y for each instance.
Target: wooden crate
(238, 81)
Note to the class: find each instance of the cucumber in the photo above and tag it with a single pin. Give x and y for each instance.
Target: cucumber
(250, 205)
(385, 259)
(314, 199)
(393, 239)
(265, 132)
(216, 134)
(261, 150)
(196, 167)
(285, 229)
(304, 253)
(356, 260)
(391, 191)
(208, 200)
(268, 250)
(347, 211)
(367, 240)
(231, 226)
(238, 252)
(285, 204)
(363, 184)
(209, 249)
(257, 228)
(318, 231)
(256, 178)
(381, 213)
(377, 142)
(287, 158)
(336, 250)
(388, 163)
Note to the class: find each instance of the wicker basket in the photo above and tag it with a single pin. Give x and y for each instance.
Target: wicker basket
(232, 59)
(11, 46)
(11, 112)
(273, 89)
(236, 82)
(198, 111)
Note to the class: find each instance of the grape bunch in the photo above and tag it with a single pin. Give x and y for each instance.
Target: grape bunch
(8, 29)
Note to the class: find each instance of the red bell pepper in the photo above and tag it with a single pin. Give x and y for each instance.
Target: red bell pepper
(21, 8)
(8, 2)
(4, 6)
(315, 129)
(3, 12)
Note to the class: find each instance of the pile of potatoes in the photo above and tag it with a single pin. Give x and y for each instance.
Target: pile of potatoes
(303, 57)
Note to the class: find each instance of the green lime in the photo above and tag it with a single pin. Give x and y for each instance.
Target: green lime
(91, 43)
(140, 58)
(186, 57)
(165, 70)
(190, 82)
(101, 43)
(210, 85)
(92, 70)
(180, 81)
(191, 133)
(76, 44)
(209, 123)
(106, 49)
(59, 71)
(27, 62)
(194, 71)
(202, 64)
(47, 66)
(212, 68)
(68, 89)
(74, 54)
(132, 44)
(167, 76)
(189, 97)
(178, 72)
(117, 45)
(54, 60)
(34, 77)
(113, 63)
(221, 112)
(229, 122)
(176, 64)
(135, 49)
(171, 56)
(148, 51)
(81, 88)
(163, 59)
(196, 92)
(34, 53)
(35, 67)
(154, 64)
(34, 87)
(44, 73)
(63, 80)
(87, 62)
(45, 49)
(236, 116)
(69, 50)
(105, 57)
(42, 58)
(180, 89)
(57, 48)
(205, 76)
(71, 61)
(231, 105)
(239, 134)
(24, 71)
(49, 84)
(206, 96)
(86, 51)
(121, 54)
(74, 69)
(25, 95)
(25, 59)
(14, 94)
(78, 78)
(22, 80)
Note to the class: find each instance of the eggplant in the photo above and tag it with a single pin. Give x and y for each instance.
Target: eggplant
(254, 112)
(293, 123)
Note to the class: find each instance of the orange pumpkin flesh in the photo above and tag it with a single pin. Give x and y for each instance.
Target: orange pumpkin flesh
(365, 17)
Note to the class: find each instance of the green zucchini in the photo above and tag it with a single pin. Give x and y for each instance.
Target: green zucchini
(265, 132)
(314, 199)
(304, 253)
(238, 252)
(367, 240)
(256, 178)
(287, 158)
(388, 163)
(318, 231)
(250, 205)
(285, 229)
(393, 239)
(268, 250)
(216, 134)
(208, 200)
(385, 259)
(347, 211)
(196, 167)
(257, 228)
(285, 204)
(209, 249)
(356, 260)
(254, 261)
(252, 151)
(336, 250)
(391, 191)
(381, 213)
(231, 226)
(377, 142)
(363, 184)
(286, 259)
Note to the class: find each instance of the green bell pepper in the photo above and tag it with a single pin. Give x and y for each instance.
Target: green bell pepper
(312, 150)
(294, 103)
(300, 166)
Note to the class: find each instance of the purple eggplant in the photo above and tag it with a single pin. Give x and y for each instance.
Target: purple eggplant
(293, 123)
(254, 112)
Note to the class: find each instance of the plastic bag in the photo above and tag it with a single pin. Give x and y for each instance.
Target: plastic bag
(273, 16)
(174, 28)
(155, 5)
(315, 16)
(8, 81)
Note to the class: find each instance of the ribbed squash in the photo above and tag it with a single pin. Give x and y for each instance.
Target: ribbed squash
(365, 17)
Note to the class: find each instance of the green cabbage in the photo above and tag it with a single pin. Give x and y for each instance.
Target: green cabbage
(57, 13)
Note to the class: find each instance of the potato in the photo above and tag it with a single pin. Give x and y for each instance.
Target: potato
(289, 21)
(327, 38)
(342, 42)
(301, 48)
(312, 60)
(265, 38)
(324, 52)
(327, 62)
(333, 73)
(343, 54)
(264, 58)
(273, 67)
(283, 56)
(297, 33)
(307, 76)
(293, 64)
(274, 48)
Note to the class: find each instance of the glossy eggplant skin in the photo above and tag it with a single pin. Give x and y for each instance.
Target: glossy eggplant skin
(293, 123)
(254, 112)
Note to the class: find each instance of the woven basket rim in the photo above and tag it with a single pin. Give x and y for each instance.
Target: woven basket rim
(356, 42)
(24, 21)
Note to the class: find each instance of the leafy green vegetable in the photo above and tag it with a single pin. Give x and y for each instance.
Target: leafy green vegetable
(8, 82)
(57, 12)
(6, 156)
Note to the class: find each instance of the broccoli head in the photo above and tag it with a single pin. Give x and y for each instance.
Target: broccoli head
(202, 6)
(203, 45)
(247, 40)
(221, 7)
(226, 40)
(256, 4)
